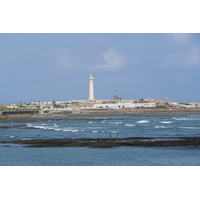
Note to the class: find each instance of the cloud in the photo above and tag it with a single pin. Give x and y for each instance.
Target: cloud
(109, 60)
(192, 58)
(183, 54)
(62, 59)
(185, 58)
(178, 39)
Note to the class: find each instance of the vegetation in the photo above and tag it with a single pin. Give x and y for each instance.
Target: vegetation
(160, 107)
(3, 108)
(57, 106)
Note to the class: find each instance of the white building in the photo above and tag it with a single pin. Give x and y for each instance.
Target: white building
(123, 105)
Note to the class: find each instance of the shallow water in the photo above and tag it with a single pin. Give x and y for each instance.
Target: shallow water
(127, 126)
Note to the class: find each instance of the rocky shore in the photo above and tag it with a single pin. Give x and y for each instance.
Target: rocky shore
(193, 142)
(101, 113)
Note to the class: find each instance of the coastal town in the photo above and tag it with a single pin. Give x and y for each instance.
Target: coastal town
(92, 106)
(97, 107)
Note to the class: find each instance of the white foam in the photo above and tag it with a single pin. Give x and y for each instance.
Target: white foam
(129, 125)
(40, 127)
(57, 129)
(90, 122)
(67, 129)
(143, 121)
(112, 131)
(74, 130)
(184, 118)
(94, 131)
(166, 122)
(160, 127)
(29, 125)
(12, 136)
(190, 127)
(26, 139)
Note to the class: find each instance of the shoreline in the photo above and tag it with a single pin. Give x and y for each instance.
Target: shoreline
(87, 116)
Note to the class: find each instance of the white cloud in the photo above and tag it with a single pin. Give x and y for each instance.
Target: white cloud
(109, 60)
(186, 58)
(192, 58)
(179, 39)
(62, 59)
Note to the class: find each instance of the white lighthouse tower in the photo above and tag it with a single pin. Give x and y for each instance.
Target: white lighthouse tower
(91, 88)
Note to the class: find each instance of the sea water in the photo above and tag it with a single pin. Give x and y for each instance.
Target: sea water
(125, 126)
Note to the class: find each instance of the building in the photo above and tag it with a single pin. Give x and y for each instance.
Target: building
(91, 88)
(123, 105)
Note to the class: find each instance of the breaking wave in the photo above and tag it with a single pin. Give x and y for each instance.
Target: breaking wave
(129, 125)
(190, 127)
(166, 122)
(186, 118)
(143, 121)
(160, 127)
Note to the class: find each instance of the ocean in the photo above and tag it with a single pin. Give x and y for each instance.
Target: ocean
(101, 127)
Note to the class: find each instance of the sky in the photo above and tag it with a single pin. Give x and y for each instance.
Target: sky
(56, 66)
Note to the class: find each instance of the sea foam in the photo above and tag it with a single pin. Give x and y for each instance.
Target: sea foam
(129, 125)
(190, 127)
(143, 121)
(160, 127)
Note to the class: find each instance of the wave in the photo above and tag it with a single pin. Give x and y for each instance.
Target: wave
(166, 122)
(129, 124)
(26, 139)
(64, 129)
(75, 130)
(55, 127)
(190, 127)
(111, 122)
(186, 118)
(160, 127)
(29, 125)
(143, 121)
(68, 129)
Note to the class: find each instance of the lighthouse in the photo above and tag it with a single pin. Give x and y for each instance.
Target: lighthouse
(91, 88)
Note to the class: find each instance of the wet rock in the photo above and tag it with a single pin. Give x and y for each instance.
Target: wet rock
(107, 143)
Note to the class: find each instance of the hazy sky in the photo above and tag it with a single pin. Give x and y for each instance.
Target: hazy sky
(47, 67)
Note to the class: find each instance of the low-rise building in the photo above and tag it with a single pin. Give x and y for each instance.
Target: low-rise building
(123, 105)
